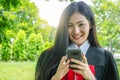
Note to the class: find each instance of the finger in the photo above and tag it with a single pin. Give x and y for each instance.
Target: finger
(84, 58)
(78, 71)
(66, 69)
(77, 62)
(68, 61)
(78, 67)
(64, 58)
(64, 64)
(62, 71)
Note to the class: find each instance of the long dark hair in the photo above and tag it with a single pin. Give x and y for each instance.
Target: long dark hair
(55, 53)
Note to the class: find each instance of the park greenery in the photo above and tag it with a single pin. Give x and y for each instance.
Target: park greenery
(24, 35)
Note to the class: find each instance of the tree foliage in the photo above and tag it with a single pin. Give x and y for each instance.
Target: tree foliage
(19, 47)
(24, 35)
(19, 20)
(40, 44)
(107, 19)
(32, 46)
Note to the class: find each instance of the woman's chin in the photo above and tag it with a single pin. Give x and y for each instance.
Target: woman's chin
(78, 43)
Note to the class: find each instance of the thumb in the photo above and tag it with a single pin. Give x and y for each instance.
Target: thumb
(84, 58)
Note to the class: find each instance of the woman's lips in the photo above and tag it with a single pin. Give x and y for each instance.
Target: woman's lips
(76, 37)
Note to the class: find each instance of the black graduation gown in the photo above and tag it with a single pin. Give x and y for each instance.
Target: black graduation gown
(105, 65)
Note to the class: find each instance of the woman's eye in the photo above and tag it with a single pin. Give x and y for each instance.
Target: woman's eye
(80, 25)
(69, 26)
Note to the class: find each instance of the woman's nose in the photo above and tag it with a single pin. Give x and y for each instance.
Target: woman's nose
(76, 30)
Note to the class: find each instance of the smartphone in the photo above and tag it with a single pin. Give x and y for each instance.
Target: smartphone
(74, 53)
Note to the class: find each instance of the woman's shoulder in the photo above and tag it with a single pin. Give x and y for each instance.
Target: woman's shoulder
(100, 55)
(104, 52)
(108, 54)
(101, 50)
(98, 50)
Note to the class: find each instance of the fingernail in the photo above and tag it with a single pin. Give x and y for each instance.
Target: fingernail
(64, 62)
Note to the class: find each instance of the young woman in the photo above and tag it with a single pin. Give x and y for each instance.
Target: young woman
(76, 29)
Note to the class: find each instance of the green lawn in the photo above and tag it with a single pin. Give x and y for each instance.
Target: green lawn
(119, 70)
(17, 70)
(118, 67)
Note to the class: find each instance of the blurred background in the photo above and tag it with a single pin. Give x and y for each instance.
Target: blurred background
(27, 27)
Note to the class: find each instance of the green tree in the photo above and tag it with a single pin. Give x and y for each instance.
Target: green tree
(107, 19)
(48, 33)
(6, 16)
(47, 45)
(40, 44)
(19, 46)
(7, 47)
(19, 15)
(31, 47)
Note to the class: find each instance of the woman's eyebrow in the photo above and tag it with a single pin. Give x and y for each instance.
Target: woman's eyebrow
(76, 22)
(79, 22)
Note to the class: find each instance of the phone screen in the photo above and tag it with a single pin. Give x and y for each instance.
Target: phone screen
(74, 53)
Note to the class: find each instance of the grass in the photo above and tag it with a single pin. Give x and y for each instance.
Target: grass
(118, 62)
(119, 70)
(19, 70)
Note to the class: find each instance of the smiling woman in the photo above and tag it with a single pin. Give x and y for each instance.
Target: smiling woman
(76, 29)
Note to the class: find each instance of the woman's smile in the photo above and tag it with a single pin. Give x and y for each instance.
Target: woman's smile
(77, 37)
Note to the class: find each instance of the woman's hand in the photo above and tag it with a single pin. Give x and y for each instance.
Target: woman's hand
(62, 70)
(82, 67)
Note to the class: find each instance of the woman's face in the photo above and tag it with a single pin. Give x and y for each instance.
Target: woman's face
(78, 28)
